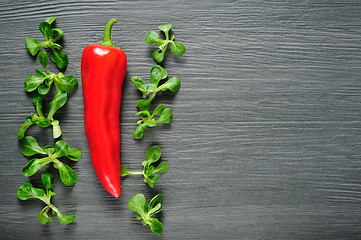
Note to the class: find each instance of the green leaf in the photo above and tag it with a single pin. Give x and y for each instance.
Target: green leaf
(155, 209)
(38, 101)
(49, 150)
(138, 82)
(172, 84)
(34, 165)
(138, 204)
(46, 30)
(162, 167)
(143, 104)
(165, 28)
(74, 154)
(67, 174)
(157, 73)
(43, 59)
(64, 219)
(32, 82)
(56, 129)
(158, 110)
(138, 216)
(158, 55)
(32, 45)
(59, 58)
(151, 123)
(61, 148)
(145, 112)
(178, 49)
(138, 133)
(153, 154)
(29, 146)
(155, 200)
(47, 179)
(124, 171)
(43, 217)
(151, 180)
(50, 20)
(28, 122)
(27, 191)
(152, 37)
(40, 73)
(57, 35)
(67, 83)
(43, 89)
(58, 101)
(166, 116)
(156, 226)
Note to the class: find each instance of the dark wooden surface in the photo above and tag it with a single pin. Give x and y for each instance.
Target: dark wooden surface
(265, 138)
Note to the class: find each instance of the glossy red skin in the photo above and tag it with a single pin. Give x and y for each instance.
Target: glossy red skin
(102, 72)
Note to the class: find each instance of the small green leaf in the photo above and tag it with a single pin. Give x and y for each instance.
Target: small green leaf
(143, 104)
(124, 171)
(34, 165)
(152, 37)
(40, 73)
(151, 123)
(178, 49)
(155, 200)
(165, 28)
(156, 209)
(138, 82)
(162, 168)
(57, 35)
(67, 83)
(59, 58)
(38, 101)
(49, 150)
(166, 116)
(67, 174)
(27, 191)
(151, 180)
(43, 217)
(50, 20)
(43, 59)
(32, 45)
(74, 154)
(28, 122)
(46, 30)
(138, 216)
(29, 146)
(172, 84)
(61, 148)
(153, 154)
(64, 219)
(157, 73)
(138, 133)
(158, 55)
(56, 129)
(58, 101)
(158, 110)
(138, 204)
(145, 112)
(32, 82)
(47, 179)
(43, 122)
(156, 226)
(43, 89)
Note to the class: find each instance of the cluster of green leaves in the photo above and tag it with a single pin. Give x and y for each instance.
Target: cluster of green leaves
(43, 82)
(152, 37)
(27, 191)
(157, 73)
(149, 121)
(51, 36)
(145, 211)
(149, 171)
(29, 147)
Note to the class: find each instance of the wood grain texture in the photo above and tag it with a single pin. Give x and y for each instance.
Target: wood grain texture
(265, 140)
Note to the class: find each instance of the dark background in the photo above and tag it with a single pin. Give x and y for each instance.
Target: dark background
(265, 137)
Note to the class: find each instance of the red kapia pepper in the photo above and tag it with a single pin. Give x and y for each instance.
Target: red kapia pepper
(103, 68)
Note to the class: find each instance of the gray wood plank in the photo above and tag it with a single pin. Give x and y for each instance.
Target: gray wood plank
(265, 138)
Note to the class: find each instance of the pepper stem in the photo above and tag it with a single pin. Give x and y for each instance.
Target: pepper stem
(107, 39)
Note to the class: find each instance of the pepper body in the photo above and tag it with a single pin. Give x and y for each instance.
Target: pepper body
(102, 70)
